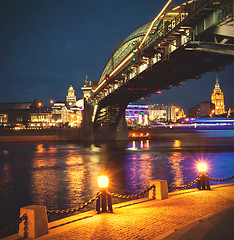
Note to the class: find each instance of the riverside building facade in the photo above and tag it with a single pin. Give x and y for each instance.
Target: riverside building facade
(217, 98)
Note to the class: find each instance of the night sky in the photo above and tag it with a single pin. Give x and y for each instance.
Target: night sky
(48, 45)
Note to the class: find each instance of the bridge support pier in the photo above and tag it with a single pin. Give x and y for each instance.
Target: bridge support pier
(112, 133)
(87, 134)
(118, 132)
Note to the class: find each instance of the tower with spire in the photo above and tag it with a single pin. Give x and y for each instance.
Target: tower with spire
(70, 98)
(217, 98)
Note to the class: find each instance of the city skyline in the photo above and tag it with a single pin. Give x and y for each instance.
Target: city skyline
(48, 46)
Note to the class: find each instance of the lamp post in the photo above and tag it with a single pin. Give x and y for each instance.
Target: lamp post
(104, 199)
(204, 182)
(39, 105)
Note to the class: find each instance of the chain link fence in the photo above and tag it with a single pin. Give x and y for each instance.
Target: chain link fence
(221, 180)
(115, 195)
(76, 209)
(14, 224)
(197, 179)
(185, 186)
(8, 228)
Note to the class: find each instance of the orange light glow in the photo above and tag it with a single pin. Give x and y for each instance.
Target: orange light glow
(39, 104)
(51, 101)
(121, 64)
(177, 144)
(202, 167)
(153, 22)
(103, 181)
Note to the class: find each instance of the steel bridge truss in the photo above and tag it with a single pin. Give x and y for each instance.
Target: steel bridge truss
(190, 40)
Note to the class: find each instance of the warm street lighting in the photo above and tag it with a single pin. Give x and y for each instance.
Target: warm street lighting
(204, 182)
(103, 181)
(104, 199)
(202, 167)
(51, 101)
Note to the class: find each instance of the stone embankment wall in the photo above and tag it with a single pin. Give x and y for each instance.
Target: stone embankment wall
(40, 135)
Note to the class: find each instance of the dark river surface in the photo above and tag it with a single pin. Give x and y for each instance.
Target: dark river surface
(64, 175)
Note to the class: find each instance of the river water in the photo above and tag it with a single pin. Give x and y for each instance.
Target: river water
(64, 175)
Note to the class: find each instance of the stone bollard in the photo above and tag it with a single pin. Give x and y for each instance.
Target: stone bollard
(37, 223)
(161, 191)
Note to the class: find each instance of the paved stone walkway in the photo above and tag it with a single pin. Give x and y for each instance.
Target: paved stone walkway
(180, 216)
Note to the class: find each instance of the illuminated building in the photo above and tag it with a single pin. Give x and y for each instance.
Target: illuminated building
(137, 114)
(165, 113)
(158, 113)
(17, 114)
(217, 98)
(204, 109)
(3, 118)
(71, 98)
(144, 114)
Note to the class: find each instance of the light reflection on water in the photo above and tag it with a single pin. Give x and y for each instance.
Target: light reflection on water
(64, 175)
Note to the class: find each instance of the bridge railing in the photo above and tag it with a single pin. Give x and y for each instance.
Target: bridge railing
(188, 9)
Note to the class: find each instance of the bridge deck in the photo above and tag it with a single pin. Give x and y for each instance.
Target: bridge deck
(194, 214)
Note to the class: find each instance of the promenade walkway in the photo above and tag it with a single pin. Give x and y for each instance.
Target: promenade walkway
(185, 215)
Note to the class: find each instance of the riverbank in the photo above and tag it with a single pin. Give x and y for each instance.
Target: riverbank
(40, 135)
(187, 214)
(74, 134)
(179, 133)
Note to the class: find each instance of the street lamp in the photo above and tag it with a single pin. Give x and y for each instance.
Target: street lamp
(204, 182)
(104, 199)
(39, 105)
(202, 167)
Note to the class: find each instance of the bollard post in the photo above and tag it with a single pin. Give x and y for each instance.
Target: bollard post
(161, 191)
(204, 182)
(98, 207)
(104, 200)
(37, 223)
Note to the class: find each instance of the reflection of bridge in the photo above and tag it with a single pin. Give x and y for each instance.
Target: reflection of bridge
(182, 42)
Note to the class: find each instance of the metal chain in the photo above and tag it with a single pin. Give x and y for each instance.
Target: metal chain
(185, 186)
(221, 180)
(132, 196)
(13, 224)
(76, 209)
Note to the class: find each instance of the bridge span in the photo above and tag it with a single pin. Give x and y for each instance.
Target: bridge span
(182, 42)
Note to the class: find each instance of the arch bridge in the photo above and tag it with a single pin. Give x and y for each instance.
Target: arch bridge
(182, 42)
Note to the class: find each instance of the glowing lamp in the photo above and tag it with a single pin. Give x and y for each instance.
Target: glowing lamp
(202, 167)
(103, 182)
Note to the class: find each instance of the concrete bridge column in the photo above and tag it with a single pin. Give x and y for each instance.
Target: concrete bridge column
(112, 132)
(87, 134)
(115, 132)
